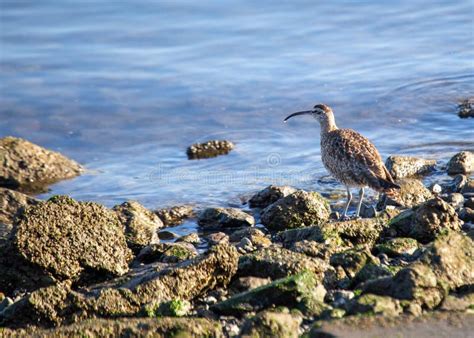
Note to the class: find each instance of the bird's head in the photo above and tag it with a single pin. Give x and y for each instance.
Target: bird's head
(320, 112)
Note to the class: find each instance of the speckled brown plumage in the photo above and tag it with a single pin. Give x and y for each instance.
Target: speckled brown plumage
(353, 160)
(350, 157)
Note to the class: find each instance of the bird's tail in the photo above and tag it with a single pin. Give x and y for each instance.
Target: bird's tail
(390, 189)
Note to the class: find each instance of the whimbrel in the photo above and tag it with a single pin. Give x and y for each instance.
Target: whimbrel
(350, 157)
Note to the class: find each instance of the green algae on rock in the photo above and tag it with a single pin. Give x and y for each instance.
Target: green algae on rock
(374, 305)
(28, 167)
(141, 225)
(301, 291)
(277, 262)
(172, 308)
(296, 210)
(398, 246)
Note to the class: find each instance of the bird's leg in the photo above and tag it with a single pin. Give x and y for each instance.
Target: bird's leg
(349, 199)
(361, 198)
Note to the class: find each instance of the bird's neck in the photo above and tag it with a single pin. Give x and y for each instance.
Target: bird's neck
(328, 125)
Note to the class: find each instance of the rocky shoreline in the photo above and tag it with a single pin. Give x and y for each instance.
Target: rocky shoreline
(284, 267)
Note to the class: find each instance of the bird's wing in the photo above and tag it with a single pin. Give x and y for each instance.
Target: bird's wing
(361, 157)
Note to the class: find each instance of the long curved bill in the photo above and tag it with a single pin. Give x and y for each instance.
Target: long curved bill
(297, 113)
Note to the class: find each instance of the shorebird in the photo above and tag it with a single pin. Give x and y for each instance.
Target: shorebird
(350, 157)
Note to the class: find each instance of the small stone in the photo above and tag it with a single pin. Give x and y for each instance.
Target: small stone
(436, 189)
(339, 298)
(209, 149)
(216, 238)
(461, 163)
(468, 188)
(210, 300)
(245, 245)
(167, 235)
(406, 166)
(466, 214)
(175, 215)
(192, 238)
(456, 200)
(174, 308)
(270, 195)
(178, 252)
(225, 218)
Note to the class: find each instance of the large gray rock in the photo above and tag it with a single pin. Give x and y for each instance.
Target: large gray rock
(128, 295)
(461, 163)
(270, 195)
(225, 218)
(296, 210)
(446, 265)
(406, 166)
(67, 239)
(141, 225)
(10, 202)
(26, 166)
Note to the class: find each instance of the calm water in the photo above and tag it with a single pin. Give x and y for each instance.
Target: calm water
(125, 86)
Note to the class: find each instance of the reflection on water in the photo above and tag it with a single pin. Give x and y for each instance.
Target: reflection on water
(125, 87)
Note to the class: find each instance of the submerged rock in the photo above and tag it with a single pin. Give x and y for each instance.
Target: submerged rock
(277, 324)
(10, 202)
(175, 215)
(209, 149)
(270, 195)
(26, 166)
(141, 225)
(301, 291)
(67, 239)
(296, 210)
(225, 218)
(406, 166)
(447, 264)
(466, 108)
(276, 262)
(128, 295)
(461, 163)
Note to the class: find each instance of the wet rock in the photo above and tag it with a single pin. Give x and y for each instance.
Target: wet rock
(280, 324)
(458, 182)
(209, 149)
(217, 238)
(28, 167)
(270, 195)
(175, 215)
(353, 260)
(167, 235)
(461, 163)
(69, 239)
(466, 108)
(256, 237)
(447, 264)
(373, 304)
(225, 218)
(412, 193)
(406, 166)
(129, 327)
(166, 253)
(10, 202)
(245, 246)
(276, 262)
(192, 238)
(301, 291)
(469, 203)
(456, 200)
(468, 188)
(466, 214)
(141, 225)
(338, 298)
(296, 210)
(431, 218)
(128, 295)
(398, 246)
